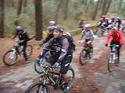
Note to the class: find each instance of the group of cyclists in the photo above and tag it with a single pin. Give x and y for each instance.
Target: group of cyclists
(60, 43)
(115, 33)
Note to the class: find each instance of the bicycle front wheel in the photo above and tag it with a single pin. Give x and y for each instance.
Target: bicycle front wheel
(82, 57)
(37, 87)
(71, 76)
(10, 58)
(110, 64)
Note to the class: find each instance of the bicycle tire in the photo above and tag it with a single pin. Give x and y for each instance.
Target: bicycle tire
(82, 58)
(38, 85)
(8, 63)
(37, 68)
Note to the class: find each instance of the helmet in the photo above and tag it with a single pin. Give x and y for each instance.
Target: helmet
(59, 28)
(118, 17)
(87, 25)
(114, 29)
(51, 28)
(19, 29)
(52, 23)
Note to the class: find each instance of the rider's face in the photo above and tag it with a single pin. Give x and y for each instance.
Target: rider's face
(56, 33)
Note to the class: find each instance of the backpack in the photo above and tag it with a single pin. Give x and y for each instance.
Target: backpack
(72, 46)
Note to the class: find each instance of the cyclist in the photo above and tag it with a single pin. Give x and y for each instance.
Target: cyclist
(62, 52)
(88, 35)
(103, 22)
(51, 27)
(115, 37)
(81, 25)
(23, 38)
(118, 22)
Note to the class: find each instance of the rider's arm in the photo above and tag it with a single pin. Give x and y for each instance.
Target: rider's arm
(15, 35)
(64, 50)
(121, 38)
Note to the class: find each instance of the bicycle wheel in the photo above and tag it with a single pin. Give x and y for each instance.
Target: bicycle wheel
(110, 64)
(37, 87)
(82, 57)
(29, 50)
(10, 58)
(71, 76)
(38, 68)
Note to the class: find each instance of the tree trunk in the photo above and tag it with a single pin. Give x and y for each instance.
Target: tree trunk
(103, 7)
(108, 7)
(120, 6)
(1, 18)
(57, 10)
(95, 11)
(25, 3)
(19, 9)
(66, 9)
(38, 19)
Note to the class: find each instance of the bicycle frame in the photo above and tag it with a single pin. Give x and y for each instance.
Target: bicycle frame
(47, 74)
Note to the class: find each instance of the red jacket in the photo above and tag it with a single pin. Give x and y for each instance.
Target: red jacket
(117, 37)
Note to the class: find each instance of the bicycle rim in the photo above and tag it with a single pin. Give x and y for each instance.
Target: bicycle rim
(10, 58)
(110, 64)
(82, 58)
(37, 87)
(71, 75)
(38, 68)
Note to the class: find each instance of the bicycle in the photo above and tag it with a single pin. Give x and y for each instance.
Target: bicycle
(113, 58)
(51, 78)
(86, 53)
(11, 56)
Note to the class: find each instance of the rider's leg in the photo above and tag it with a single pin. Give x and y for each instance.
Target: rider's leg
(65, 66)
(17, 48)
(24, 51)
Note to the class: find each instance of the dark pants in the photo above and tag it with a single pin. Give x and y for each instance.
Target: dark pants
(23, 50)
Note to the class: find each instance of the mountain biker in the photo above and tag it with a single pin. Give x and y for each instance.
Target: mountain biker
(115, 37)
(118, 22)
(103, 22)
(88, 35)
(81, 25)
(23, 38)
(62, 52)
(51, 27)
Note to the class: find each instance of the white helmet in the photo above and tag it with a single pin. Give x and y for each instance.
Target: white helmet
(51, 23)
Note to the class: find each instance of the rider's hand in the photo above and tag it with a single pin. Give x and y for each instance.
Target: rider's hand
(106, 45)
(56, 65)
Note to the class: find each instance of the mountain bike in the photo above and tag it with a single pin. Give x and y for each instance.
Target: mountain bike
(11, 56)
(86, 53)
(50, 78)
(113, 58)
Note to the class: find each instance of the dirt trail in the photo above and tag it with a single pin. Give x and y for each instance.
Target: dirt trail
(90, 78)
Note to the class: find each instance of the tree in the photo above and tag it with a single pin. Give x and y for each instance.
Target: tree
(96, 10)
(1, 18)
(103, 7)
(66, 9)
(58, 10)
(19, 9)
(38, 19)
